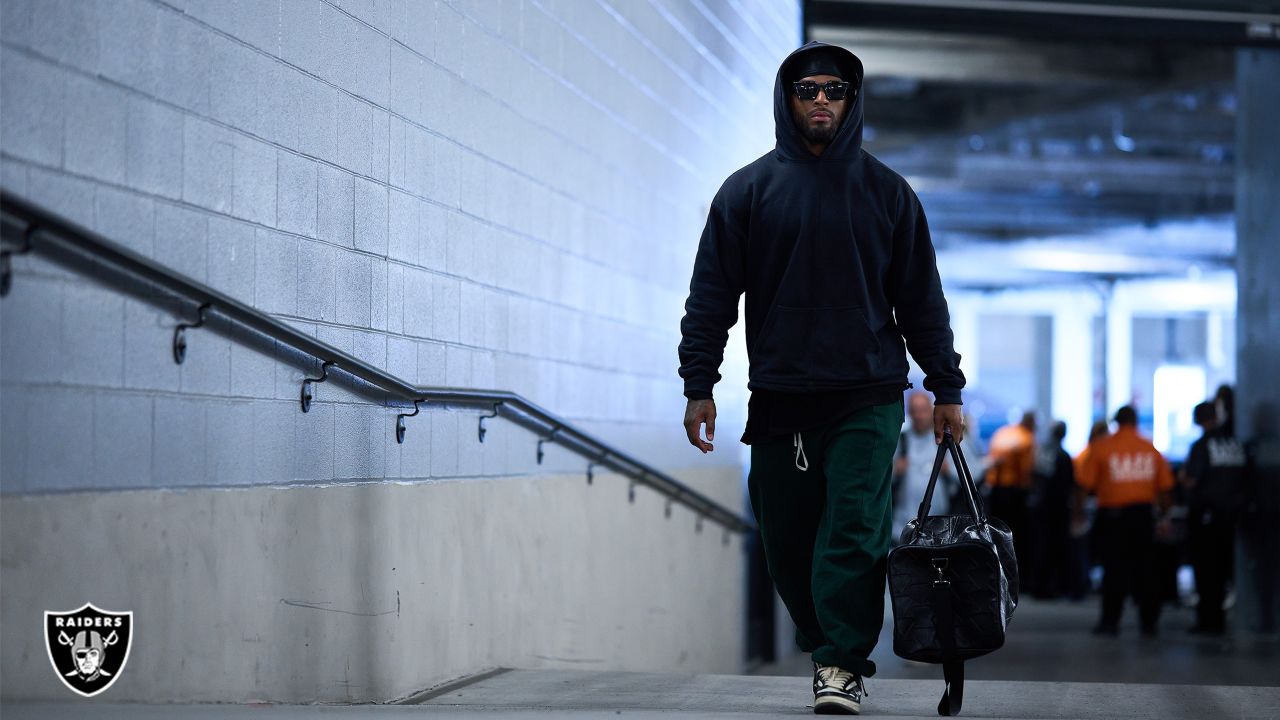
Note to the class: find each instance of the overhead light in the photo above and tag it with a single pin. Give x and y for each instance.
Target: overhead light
(1213, 153)
(1123, 142)
(1261, 30)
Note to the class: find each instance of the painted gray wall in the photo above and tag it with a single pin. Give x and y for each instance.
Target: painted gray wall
(481, 194)
(368, 593)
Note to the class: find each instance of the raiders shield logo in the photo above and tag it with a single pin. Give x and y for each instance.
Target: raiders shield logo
(88, 647)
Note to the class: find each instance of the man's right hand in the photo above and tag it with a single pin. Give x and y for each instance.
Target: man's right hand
(696, 413)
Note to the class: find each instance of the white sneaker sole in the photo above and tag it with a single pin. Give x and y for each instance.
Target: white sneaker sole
(836, 705)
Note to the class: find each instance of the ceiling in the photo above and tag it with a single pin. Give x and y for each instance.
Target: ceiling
(1034, 128)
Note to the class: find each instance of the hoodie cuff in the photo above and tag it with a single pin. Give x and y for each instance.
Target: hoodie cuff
(697, 394)
(947, 396)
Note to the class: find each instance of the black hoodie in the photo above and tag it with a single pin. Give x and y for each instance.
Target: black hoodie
(834, 255)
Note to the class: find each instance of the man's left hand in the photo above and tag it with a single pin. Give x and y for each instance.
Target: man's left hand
(944, 416)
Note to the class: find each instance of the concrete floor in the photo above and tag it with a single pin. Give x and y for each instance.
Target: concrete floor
(595, 694)
(1050, 641)
(1050, 668)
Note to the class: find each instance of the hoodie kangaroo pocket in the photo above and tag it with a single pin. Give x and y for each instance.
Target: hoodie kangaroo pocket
(823, 344)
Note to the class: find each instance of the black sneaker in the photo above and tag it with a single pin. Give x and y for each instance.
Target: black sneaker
(836, 691)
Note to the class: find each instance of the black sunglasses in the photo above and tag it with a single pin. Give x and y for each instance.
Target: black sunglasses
(834, 89)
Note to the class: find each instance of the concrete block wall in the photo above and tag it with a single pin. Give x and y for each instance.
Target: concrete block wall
(501, 194)
(494, 194)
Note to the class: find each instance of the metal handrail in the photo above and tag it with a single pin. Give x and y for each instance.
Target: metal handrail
(26, 222)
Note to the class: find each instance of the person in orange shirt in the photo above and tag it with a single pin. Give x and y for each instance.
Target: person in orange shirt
(1009, 463)
(1130, 479)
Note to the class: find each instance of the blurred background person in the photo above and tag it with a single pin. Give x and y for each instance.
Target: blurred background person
(1213, 477)
(1224, 404)
(1009, 463)
(1131, 480)
(1049, 513)
(913, 463)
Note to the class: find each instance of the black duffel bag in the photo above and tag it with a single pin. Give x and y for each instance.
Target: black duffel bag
(953, 582)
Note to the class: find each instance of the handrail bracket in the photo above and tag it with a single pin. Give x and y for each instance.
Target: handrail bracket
(400, 428)
(180, 334)
(481, 430)
(306, 384)
(6, 267)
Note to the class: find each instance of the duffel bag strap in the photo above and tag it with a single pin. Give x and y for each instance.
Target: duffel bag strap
(953, 695)
(944, 615)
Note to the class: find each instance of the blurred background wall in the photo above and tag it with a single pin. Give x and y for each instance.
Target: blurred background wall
(475, 194)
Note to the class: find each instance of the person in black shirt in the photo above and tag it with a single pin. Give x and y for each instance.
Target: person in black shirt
(832, 251)
(1214, 476)
(1053, 481)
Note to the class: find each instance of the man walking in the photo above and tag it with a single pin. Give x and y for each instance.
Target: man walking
(833, 253)
(1131, 479)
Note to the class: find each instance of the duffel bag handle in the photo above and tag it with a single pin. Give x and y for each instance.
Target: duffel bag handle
(966, 477)
(949, 445)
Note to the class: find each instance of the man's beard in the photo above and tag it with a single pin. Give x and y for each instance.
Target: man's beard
(817, 135)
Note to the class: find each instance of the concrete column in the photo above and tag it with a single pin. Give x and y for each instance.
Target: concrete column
(1119, 350)
(1258, 323)
(964, 325)
(1042, 353)
(1072, 384)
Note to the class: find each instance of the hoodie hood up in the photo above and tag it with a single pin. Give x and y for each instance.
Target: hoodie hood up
(847, 143)
(834, 256)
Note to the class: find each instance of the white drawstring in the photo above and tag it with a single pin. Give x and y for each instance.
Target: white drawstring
(798, 442)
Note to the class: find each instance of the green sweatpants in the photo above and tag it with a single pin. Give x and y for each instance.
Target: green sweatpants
(827, 530)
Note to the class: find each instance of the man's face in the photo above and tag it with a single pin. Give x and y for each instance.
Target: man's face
(921, 412)
(818, 119)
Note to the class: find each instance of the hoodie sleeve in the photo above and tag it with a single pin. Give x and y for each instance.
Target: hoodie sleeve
(915, 290)
(712, 306)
